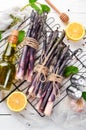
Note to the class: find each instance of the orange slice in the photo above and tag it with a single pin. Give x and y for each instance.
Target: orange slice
(17, 101)
(75, 31)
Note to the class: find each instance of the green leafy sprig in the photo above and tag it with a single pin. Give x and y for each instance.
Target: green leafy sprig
(21, 36)
(41, 8)
(84, 95)
(69, 70)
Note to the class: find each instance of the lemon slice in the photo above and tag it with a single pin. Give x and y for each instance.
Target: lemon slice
(75, 31)
(17, 101)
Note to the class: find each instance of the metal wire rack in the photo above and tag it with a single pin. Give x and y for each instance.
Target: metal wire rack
(79, 60)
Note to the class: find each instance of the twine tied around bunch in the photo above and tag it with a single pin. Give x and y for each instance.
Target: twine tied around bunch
(41, 69)
(55, 78)
(30, 42)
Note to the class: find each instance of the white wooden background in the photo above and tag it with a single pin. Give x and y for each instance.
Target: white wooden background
(77, 13)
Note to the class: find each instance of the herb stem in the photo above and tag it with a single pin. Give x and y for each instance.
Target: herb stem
(24, 7)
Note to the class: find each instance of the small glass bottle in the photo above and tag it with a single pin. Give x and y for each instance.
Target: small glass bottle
(7, 67)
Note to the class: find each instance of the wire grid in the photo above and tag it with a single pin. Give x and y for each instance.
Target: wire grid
(79, 60)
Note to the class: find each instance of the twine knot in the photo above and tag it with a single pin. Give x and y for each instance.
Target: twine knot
(30, 42)
(41, 69)
(55, 78)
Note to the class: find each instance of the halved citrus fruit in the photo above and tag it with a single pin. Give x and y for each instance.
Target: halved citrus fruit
(75, 31)
(17, 101)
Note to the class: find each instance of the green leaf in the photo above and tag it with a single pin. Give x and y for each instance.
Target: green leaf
(35, 7)
(21, 36)
(84, 95)
(45, 8)
(32, 1)
(40, 8)
(70, 70)
(0, 35)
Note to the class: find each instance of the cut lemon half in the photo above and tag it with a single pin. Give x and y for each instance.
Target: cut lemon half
(17, 101)
(75, 31)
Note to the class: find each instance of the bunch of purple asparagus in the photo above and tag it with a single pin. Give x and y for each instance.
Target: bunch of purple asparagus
(51, 88)
(27, 59)
(41, 88)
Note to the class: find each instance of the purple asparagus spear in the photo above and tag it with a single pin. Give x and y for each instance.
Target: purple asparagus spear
(31, 65)
(23, 63)
(48, 93)
(38, 105)
(33, 85)
(41, 99)
(51, 99)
